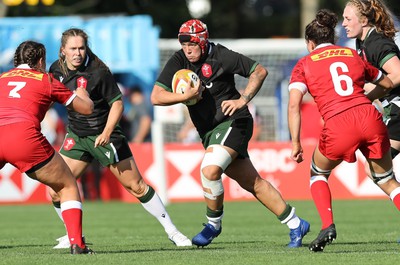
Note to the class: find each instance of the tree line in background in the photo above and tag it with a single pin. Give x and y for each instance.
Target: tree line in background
(227, 19)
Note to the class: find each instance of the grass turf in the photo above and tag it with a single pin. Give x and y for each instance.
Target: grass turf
(123, 233)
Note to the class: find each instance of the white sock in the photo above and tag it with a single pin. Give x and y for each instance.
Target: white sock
(58, 211)
(215, 221)
(292, 221)
(156, 208)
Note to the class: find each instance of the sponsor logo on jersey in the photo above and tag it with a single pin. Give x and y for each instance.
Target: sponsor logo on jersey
(23, 73)
(206, 70)
(217, 135)
(108, 154)
(81, 82)
(332, 53)
(68, 144)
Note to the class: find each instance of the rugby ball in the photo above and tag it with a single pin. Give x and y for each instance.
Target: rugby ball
(180, 81)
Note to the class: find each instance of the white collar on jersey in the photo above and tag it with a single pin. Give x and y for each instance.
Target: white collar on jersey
(23, 66)
(323, 45)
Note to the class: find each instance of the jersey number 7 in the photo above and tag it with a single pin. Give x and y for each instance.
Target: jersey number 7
(17, 87)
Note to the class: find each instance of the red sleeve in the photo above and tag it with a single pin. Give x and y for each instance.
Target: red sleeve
(371, 72)
(59, 92)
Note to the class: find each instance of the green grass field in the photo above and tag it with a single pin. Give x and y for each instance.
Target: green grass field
(122, 233)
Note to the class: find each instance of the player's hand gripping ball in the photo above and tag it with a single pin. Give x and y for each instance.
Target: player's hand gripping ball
(180, 81)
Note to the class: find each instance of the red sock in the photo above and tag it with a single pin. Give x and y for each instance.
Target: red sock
(395, 197)
(72, 214)
(321, 195)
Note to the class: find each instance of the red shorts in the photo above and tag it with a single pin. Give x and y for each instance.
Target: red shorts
(23, 146)
(360, 127)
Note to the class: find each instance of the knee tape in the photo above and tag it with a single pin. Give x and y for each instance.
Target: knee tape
(218, 157)
(381, 178)
(319, 171)
(212, 188)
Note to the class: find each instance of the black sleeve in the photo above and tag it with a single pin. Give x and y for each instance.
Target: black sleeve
(378, 50)
(108, 87)
(236, 63)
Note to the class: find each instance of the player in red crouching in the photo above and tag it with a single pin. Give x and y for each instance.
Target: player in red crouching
(335, 77)
(26, 94)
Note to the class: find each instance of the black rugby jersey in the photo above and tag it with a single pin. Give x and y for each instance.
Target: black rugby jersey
(378, 49)
(102, 89)
(216, 73)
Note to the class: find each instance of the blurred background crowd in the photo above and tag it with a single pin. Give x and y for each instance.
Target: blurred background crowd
(135, 38)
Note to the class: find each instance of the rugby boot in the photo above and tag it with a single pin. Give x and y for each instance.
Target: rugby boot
(75, 249)
(205, 237)
(325, 237)
(297, 234)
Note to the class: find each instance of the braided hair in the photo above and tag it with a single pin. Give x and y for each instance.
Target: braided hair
(30, 53)
(377, 14)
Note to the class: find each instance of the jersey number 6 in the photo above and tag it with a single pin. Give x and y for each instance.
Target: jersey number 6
(339, 79)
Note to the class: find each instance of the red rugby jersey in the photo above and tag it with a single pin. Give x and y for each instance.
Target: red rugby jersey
(335, 77)
(26, 94)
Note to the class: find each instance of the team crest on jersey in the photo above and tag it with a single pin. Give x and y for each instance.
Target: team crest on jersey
(68, 144)
(81, 82)
(206, 70)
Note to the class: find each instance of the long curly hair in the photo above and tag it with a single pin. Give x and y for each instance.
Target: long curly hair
(377, 14)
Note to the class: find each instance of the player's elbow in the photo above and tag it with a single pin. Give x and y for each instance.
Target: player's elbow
(293, 108)
(87, 109)
(154, 98)
(84, 107)
(261, 72)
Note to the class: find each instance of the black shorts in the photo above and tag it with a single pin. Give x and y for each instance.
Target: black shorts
(234, 134)
(392, 121)
(82, 148)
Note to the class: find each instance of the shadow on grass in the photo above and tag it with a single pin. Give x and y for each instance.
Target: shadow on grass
(377, 246)
(193, 248)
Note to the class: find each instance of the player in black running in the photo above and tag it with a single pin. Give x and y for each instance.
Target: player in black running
(98, 135)
(224, 124)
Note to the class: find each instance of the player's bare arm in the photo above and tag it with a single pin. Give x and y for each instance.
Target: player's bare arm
(294, 119)
(256, 79)
(82, 103)
(117, 108)
(382, 87)
(162, 97)
(392, 68)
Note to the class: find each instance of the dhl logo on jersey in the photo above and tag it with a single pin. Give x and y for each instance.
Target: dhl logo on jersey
(332, 53)
(23, 73)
